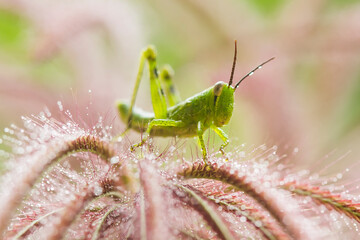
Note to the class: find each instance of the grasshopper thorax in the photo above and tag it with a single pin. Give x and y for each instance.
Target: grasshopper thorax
(223, 103)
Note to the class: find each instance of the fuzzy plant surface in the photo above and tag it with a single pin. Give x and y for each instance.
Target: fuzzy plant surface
(65, 181)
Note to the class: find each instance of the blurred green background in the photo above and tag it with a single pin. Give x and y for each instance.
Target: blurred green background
(307, 101)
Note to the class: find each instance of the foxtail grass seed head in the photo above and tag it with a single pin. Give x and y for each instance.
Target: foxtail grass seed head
(64, 180)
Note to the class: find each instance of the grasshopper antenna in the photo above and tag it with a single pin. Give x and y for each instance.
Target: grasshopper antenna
(233, 66)
(252, 72)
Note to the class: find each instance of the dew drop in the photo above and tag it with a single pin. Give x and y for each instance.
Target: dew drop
(47, 112)
(296, 150)
(258, 223)
(242, 219)
(19, 150)
(114, 160)
(29, 148)
(280, 167)
(322, 209)
(61, 108)
(98, 190)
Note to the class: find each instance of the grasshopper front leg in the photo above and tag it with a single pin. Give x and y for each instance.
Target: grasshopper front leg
(223, 137)
(158, 123)
(200, 133)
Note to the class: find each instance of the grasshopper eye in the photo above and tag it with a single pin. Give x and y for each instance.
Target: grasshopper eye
(218, 89)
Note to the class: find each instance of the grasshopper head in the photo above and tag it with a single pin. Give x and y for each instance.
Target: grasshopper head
(224, 103)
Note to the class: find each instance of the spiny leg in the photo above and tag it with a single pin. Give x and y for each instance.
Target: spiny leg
(166, 78)
(200, 132)
(157, 94)
(158, 123)
(223, 137)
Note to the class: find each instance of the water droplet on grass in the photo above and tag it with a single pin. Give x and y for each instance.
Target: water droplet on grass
(98, 190)
(114, 160)
(61, 108)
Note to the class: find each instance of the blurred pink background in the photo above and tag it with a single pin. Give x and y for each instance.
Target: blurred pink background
(307, 101)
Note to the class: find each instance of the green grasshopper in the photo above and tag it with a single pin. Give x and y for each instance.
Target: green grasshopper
(211, 108)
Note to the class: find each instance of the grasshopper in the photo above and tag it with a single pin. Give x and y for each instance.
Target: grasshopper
(211, 108)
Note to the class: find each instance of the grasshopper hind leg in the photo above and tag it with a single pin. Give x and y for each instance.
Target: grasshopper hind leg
(157, 95)
(136, 120)
(164, 123)
(166, 78)
(123, 109)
